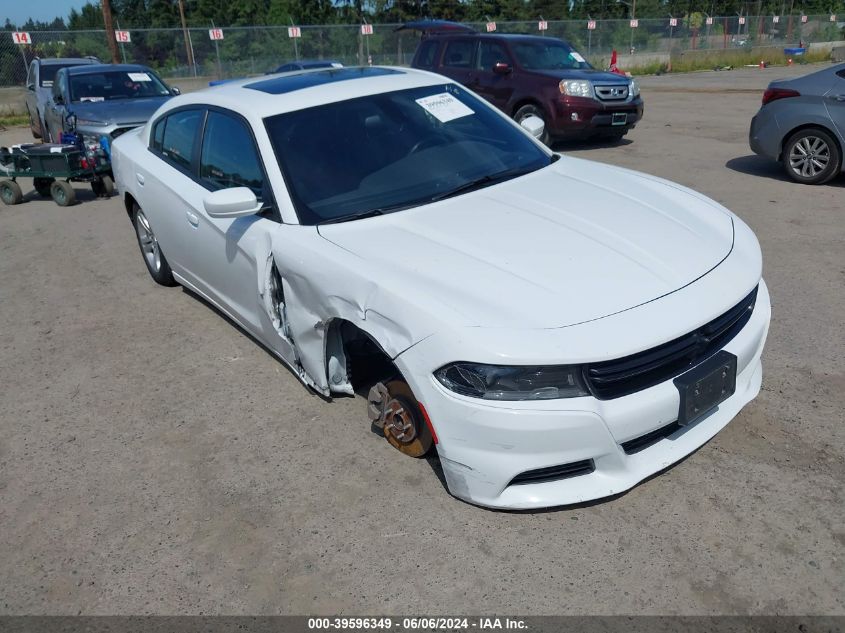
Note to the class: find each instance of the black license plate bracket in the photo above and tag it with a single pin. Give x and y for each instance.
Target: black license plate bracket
(705, 386)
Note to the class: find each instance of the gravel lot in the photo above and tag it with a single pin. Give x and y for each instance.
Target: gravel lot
(154, 459)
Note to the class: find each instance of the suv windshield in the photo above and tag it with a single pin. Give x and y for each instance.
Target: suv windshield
(116, 84)
(389, 151)
(547, 55)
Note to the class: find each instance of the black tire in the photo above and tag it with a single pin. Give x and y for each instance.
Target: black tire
(812, 157)
(10, 192)
(42, 186)
(108, 186)
(529, 110)
(62, 193)
(151, 252)
(32, 125)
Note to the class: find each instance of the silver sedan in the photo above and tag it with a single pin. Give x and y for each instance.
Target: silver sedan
(802, 124)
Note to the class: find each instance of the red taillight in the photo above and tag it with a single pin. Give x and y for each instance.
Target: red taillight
(84, 163)
(773, 94)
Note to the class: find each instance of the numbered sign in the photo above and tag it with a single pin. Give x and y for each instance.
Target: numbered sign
(542, 25)
(741, 20)
(775, 19)
(122, 36)
(833, 18)
(215, 34)
(591, 25)
(804, 19)
(21, 37)
(673, 21)
(366, 29)
(708, 21)
(491, 26)
(294, 31)
(635, 24)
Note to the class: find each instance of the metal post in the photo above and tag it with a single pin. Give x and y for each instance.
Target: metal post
(295, 47)
(217, 51)
(189, 47)
(23, 57)
(112, 43)
(122, 45)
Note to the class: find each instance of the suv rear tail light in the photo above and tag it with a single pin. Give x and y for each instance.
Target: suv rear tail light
(773, 94)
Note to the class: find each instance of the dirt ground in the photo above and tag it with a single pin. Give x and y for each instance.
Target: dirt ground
(154, 459)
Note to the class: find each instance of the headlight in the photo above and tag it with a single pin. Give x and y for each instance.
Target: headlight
(496, 382)
(635, 88)
(91, 123)
(576, 88)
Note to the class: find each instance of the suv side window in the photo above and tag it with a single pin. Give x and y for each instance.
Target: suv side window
(179, 137)
(490, 53)
(458, 54)
(229, 157)
(425, 57)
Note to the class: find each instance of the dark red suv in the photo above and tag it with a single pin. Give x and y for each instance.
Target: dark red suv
(524, 75)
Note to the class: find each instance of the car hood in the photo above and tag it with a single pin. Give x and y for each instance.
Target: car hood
(570, 243)
(596, 76)
(118, 111)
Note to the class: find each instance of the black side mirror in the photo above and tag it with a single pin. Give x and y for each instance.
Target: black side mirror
(175, 91)
(58, 99)
(30, 87)
(501, 68)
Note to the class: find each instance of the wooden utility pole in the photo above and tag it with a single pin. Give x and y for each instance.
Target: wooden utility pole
(188, 52)
(107, 22)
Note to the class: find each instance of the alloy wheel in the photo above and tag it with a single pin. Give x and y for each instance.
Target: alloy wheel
(148, 241)
(809, 156)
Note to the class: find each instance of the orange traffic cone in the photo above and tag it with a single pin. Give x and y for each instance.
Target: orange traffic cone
(789, 62)
(762, 64)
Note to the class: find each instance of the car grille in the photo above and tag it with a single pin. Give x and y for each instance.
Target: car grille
(617, 92)
(649, 439)
(615, 378)
(554, 473)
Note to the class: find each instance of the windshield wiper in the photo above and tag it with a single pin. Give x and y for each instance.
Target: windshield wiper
(351, 216)
(484, 181)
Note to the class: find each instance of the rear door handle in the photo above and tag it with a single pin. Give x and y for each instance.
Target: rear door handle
(192, 218)
(140, 179)
(838, 97)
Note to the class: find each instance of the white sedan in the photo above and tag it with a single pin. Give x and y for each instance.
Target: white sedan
(557, 329)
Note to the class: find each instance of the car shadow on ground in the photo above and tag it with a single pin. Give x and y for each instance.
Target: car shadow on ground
(753, 165)
(600, 143)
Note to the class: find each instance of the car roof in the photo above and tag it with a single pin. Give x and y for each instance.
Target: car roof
(284, 92)
(52, 61)
(91, 69)
(492, 36)
(310, 62)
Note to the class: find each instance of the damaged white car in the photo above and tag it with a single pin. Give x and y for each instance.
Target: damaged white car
(557, 329)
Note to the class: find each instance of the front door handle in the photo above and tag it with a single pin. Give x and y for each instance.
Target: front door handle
(192, 218)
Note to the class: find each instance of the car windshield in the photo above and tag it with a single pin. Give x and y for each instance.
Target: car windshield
(390, 151)
(116, 84)
(548, 55)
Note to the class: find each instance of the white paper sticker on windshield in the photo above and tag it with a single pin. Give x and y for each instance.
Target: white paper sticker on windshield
(577, 57)
(139, 76)
(92, 99)
(444, 107)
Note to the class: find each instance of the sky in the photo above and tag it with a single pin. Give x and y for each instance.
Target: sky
(19, 11)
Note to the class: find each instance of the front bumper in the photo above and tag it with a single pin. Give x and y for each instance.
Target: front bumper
(580, 117)
(484, 445)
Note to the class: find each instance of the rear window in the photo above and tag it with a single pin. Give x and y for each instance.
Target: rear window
(425, 57)
(458, 54)
(179, 138)
(48, 73)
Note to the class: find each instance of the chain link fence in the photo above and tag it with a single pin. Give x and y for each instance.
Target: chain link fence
(259, 49)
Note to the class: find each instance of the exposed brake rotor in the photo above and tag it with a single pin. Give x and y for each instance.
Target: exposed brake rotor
(394, 410)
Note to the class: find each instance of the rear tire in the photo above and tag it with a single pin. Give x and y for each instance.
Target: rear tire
(10, 192)
(32, 125)
(812, 157)
(62, 193)
(531, 110)
(154, 259)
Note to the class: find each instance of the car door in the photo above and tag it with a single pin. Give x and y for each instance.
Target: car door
(835, 103)
(54, 114)
(232, 256)
(457, 62)
(496, 87)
